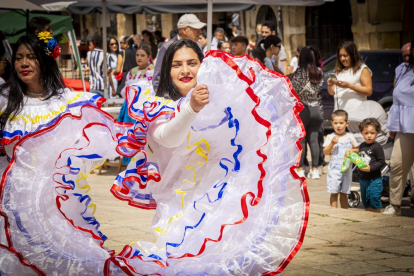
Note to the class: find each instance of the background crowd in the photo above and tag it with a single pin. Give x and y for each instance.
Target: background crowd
(139, 56)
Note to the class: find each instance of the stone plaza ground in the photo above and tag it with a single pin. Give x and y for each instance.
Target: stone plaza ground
(337, 241)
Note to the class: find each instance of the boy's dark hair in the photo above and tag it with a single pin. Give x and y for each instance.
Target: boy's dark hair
(240, 39)
(340, 113)
(38, 23)
(370, 122)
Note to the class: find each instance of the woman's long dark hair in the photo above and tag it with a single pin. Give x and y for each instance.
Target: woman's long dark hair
(166, 87)
(259, 53)
(355, 57)
(50, 78)
(308, 61)
(109, 42)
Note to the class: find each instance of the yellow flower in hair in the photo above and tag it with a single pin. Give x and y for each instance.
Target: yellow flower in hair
(45, 36)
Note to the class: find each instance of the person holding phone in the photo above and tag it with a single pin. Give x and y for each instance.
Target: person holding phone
(352, 83)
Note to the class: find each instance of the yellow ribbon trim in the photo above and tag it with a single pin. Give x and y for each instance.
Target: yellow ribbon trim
(203, 153)
(85, 186)
(36, 119)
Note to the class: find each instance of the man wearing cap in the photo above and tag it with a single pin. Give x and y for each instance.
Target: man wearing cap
(189, 27)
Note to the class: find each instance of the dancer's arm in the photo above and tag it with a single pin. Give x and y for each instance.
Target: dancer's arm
(172, 133)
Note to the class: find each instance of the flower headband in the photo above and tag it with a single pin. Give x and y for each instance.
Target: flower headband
(52, 48)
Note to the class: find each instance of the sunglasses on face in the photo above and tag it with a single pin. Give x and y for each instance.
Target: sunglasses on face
(279, 46)
(112, 44)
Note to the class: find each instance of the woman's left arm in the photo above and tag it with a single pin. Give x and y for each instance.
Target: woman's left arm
(118, 65)
(366, 84)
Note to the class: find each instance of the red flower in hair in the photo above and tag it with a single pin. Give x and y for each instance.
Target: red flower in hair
(56, 52)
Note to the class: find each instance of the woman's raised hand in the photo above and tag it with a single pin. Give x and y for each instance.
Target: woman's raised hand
(199, 98)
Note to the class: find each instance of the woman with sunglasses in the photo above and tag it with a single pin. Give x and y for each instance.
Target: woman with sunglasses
(116, 62)
(272, 45)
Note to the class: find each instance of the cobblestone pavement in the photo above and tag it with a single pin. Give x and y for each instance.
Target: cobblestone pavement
(337, 241)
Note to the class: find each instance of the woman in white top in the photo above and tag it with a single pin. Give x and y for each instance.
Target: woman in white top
(353, 84)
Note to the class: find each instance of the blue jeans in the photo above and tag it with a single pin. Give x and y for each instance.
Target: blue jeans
(371, 191)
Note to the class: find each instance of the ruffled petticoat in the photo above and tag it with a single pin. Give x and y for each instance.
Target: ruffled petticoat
(46, 216)
(227, 199)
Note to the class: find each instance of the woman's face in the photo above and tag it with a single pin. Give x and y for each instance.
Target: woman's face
(91, 46)
(123, 43)
(27, 65)
(142, 58)
(345, 58)
(225, 47)
(184, 70)
(113, 45)
(203, 41)
(146, 38)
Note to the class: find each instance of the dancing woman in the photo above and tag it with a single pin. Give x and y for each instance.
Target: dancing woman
(51, 139)
(141, 73)
(214, 154)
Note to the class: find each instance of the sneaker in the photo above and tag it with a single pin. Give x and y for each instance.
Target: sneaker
(320, 169)
(300, 173)
(392, 210)
(314, 174)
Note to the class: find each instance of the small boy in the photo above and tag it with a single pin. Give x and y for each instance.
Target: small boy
(373, 155)
(336, 144)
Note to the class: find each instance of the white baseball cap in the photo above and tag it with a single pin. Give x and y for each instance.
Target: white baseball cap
(190, 20)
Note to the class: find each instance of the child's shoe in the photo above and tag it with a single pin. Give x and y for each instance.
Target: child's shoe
(314, 174)
(392, 210)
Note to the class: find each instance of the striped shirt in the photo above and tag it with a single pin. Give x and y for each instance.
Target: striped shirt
(95, 62)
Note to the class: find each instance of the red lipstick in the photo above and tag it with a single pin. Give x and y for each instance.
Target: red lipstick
(186, 79)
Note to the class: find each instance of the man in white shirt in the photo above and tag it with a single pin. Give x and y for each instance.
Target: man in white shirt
(218, 37)
(189, 27)
(269, 28)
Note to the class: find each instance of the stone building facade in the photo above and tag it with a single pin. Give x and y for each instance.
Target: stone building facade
(371, 24)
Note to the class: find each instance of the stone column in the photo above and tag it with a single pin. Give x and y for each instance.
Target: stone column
(124, 24)
(377, 24)
(294, 30)
(141, 23)
(167, 24)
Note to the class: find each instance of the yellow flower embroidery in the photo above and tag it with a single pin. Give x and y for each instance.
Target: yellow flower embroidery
(45, 36)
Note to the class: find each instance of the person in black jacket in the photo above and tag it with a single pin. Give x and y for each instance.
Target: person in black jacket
(373, 155)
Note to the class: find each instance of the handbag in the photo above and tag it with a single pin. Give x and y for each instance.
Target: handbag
(120, 75)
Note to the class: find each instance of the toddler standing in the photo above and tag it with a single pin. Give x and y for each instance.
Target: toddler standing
(373, 155)
(336, 144)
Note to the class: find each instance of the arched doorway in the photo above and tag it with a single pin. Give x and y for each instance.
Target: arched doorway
(266, 13)
(328, 25)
